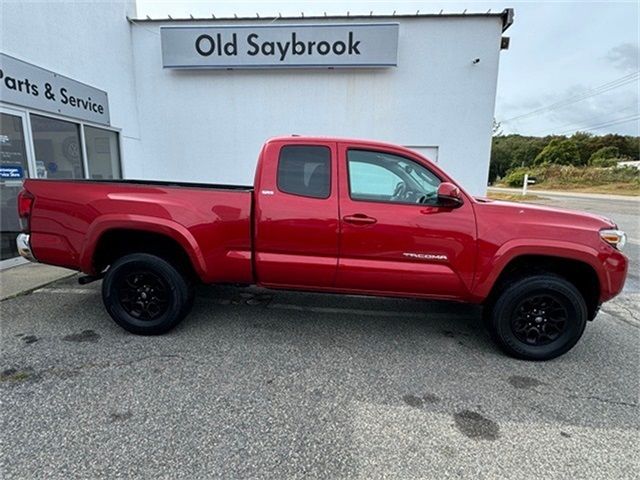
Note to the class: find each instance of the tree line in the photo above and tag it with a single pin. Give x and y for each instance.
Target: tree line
(513, 151)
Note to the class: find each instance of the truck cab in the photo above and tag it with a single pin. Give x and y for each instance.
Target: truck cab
(362, 217)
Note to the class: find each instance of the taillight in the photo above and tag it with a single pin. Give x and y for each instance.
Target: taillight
(25, 202)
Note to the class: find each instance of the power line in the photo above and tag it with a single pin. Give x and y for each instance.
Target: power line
(587, 120)
(610, 123)
(599, 90)
(598, 126)
(605, 87)
(571, 101)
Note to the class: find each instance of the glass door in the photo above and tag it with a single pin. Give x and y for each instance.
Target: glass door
(14, 168)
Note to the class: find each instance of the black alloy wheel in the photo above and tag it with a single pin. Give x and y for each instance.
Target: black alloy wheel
(538, 317)
(146, 294)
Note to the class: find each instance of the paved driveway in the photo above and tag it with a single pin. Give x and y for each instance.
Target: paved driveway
(257, 384)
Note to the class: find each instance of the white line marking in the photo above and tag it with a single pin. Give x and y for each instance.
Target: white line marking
(354, 311)
(79, 291)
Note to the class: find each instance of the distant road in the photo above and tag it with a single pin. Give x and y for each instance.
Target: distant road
(552, 193)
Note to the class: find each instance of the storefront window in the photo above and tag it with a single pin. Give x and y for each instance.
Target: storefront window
(103, 154)
(13, 170)
(57, 148)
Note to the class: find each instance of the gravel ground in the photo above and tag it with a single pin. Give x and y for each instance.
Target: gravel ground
(262, 384)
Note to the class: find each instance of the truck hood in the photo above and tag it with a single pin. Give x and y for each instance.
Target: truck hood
(539, 214)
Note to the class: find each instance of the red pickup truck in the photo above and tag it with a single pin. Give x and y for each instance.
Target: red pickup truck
(331, 215)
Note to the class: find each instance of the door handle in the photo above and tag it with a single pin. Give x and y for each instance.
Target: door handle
(359, 219)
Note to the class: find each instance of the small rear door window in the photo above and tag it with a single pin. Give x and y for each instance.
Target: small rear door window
(305, 170)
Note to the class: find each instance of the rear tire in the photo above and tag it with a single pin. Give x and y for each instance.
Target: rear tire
(145, 294)
(538, 317)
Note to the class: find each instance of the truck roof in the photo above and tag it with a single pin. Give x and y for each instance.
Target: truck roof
(319, 138)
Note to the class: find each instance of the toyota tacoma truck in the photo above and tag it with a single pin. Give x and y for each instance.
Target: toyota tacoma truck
(330, 215)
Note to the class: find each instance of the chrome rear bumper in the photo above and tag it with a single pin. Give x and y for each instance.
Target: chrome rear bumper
(24, 247)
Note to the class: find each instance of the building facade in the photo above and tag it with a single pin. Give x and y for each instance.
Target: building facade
(194, 99)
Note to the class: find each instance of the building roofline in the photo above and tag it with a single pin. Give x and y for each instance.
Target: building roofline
(506, 15)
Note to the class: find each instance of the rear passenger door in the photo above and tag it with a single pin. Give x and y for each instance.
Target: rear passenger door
(296, 216)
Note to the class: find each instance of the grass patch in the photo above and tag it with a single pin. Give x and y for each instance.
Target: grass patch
(629, 189)
(513, 197)
(618, 180)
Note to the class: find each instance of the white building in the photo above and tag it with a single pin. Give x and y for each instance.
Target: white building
(424, 81)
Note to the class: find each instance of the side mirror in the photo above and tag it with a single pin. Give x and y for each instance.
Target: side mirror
(449, 195)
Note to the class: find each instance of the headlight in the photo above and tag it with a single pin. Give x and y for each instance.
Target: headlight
(615, 238)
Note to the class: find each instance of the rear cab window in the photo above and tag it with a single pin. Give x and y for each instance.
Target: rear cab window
(305, 170)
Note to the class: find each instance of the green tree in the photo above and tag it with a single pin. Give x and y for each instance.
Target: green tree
(559, 151)
(586, 146)
(604, 162)
(512, 151)
(632, 148)
(605, 153)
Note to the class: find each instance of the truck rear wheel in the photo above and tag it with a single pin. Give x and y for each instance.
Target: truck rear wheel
(538, 318)
(145, 294)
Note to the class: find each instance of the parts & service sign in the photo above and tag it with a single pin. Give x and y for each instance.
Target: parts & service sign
(281, 46)
(30, 86)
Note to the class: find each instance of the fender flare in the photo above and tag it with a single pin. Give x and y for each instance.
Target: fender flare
(520, 248)
(142, 223)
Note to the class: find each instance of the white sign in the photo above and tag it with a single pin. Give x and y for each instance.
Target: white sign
(280, 46)
(33, 87)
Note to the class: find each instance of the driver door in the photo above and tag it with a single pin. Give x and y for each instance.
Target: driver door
(394, 237)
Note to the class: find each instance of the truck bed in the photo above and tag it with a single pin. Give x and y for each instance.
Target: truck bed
(211, 222)
(219, 186)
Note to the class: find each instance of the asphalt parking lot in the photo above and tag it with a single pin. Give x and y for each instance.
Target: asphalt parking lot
(262, 384)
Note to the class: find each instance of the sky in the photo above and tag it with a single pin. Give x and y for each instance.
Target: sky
(570, 65)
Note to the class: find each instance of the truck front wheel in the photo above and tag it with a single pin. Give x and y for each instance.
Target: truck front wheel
(538, 317)
(145, 294)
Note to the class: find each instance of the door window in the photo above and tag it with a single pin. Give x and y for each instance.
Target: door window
(57, 148)
(13, 170)
(383, 177)
(305, 170)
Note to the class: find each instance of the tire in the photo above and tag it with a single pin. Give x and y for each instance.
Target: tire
(145, 294)
(538, 317)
